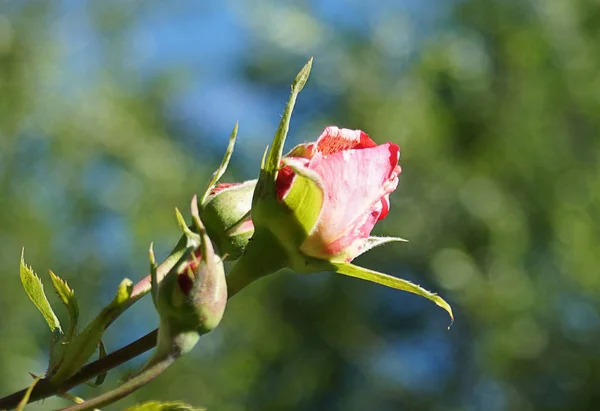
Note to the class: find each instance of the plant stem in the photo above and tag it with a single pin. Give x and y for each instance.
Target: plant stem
(237, 279)
(147, 375)
(45, 388)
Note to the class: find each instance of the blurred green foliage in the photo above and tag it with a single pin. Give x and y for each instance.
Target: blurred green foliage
(107, 122)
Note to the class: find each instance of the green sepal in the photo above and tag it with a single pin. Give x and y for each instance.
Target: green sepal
(67, 296)
(373, 242)
(274, 157)
(206, 246)
(304, 202)
(291, 220)
(35, 290)
(263, 159)
(270, 164)
(268, 214)
(193, 239)
(163, 406)
(84, 344)
(237, 241)
(222, 168)
(397, 283)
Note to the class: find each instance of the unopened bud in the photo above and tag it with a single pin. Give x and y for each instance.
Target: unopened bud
(226, 215)
(192, 297)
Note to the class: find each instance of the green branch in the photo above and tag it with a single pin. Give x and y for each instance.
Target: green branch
(45, 388)
(147, 375)
(236, 281)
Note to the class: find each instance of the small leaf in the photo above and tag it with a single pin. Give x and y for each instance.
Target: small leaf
(222, 168)
(101, 377)
(373, 242)
(163, 406)
(35, 290)
(392, 282)
(84, 344)
(73, 398)
(67, 296)
(101, 354)
(25, 399)
(153, 274)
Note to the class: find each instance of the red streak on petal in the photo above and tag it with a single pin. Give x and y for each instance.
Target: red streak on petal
(220, 187)
(385, 208)
(334, 140)
(285, 177)
(365, 141)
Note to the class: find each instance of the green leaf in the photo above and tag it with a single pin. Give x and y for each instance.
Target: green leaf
(373, 242)
(84, 344)
(393, 282)
(222, 168)
(25, 399)
(272, 164)
(67, 296)
(35, 290)
(163, 406)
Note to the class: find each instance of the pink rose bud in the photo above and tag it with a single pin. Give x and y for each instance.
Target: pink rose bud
(194, 294)
(314, 209)
(356, 176)
(227, 219)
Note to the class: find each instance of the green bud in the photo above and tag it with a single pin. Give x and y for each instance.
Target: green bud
(194, 294)
(191, 298)
(226, 214)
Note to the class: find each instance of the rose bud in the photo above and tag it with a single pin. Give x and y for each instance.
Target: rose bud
(356, 177)
(191, 298)
(226, 215)
(318, 211)
(314, 209)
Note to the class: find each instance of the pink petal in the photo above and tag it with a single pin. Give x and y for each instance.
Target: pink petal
(357, 184)
(350, 245)
(335, 139)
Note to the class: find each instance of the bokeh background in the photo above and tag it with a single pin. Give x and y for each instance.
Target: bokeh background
(114, 112)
